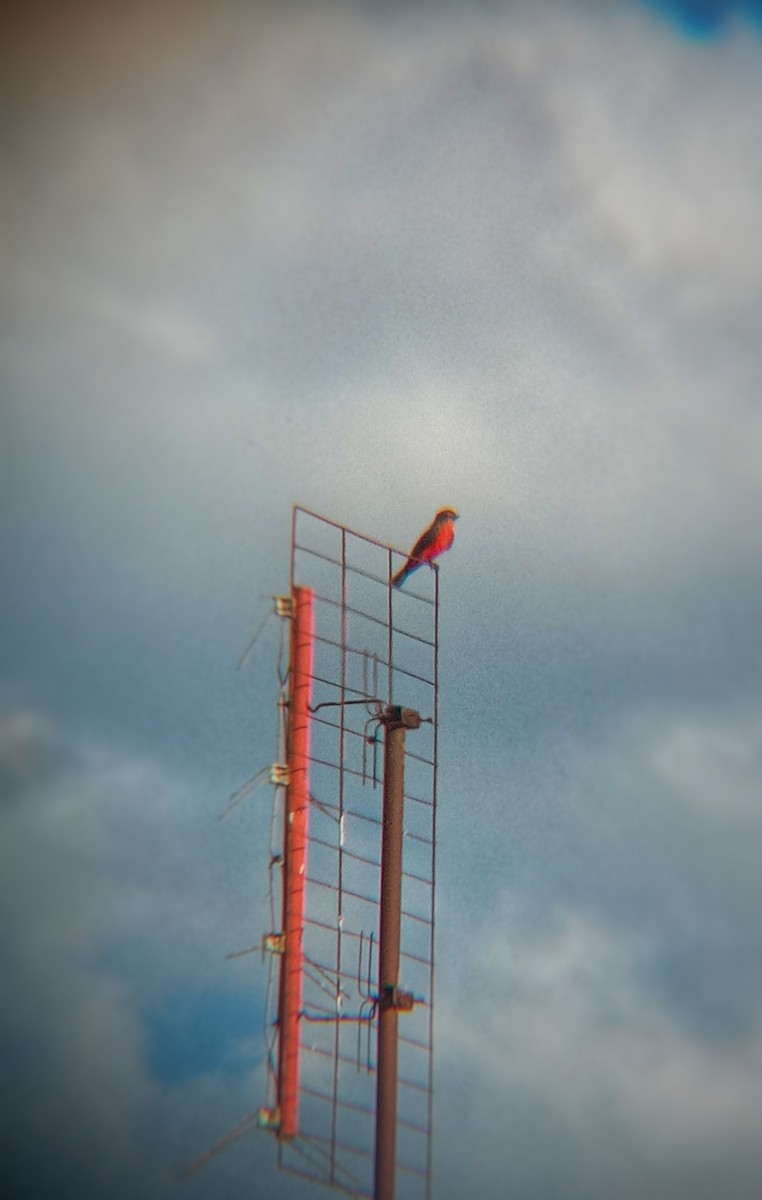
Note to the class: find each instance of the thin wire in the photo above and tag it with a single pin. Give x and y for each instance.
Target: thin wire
(282, 675)
(361, 537)
(353, 1188)
(238, 1130)
(247, 787)
(367, 574)
(333, 992)
(251, 644)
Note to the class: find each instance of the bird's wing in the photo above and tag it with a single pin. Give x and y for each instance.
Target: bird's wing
(425, 540)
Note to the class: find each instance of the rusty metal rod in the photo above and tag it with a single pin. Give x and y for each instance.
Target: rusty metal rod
(396, 720)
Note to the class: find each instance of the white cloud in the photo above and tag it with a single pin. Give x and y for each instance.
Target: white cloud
(118, 861)
(657, 136)
(556, 1020)
(714, 764)
(502, 347)
(163, 327)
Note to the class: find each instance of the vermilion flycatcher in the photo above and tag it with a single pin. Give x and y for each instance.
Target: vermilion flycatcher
(439, 536)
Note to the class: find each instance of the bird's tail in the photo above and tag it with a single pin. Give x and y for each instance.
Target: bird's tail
(398, 579)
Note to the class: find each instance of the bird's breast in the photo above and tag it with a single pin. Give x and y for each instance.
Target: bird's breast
(444, 538)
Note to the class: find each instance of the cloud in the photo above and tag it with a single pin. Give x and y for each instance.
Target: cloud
(553, 1028)
(715, 765)
(647, 823)
(666, 116)
(111, 919)
(542, 291)
(104, 829)
(27, 746)
(504, 258)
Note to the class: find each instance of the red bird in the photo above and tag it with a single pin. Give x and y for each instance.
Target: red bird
(439, 536)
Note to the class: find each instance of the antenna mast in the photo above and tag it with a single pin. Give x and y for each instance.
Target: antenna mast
(351, 1087)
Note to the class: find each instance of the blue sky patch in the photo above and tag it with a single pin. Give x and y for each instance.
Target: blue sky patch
(707, 19)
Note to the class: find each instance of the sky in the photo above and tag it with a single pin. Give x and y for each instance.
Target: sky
(378, 258)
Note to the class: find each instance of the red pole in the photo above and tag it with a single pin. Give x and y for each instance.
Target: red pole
(295, 837)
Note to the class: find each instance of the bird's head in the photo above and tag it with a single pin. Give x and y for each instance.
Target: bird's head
(447, 514)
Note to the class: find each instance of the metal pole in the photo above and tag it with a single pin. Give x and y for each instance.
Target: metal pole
(295, 838)
(396, 721)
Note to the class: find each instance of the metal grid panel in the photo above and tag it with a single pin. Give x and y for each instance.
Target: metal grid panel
(374, 646)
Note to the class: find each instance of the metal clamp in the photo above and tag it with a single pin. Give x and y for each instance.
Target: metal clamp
(268, 1118)
(397, 717)
(394, 997)
(280, 774)
(283, 606)
(275, 943)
